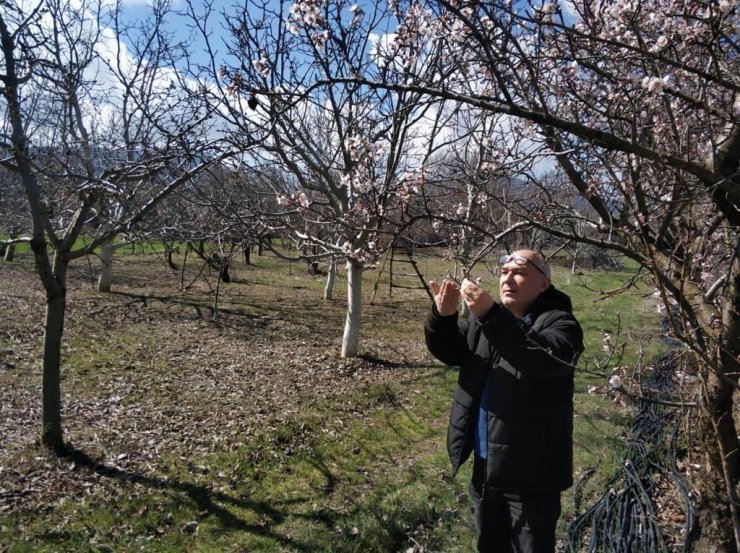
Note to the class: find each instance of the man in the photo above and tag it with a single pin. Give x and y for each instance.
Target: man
(513, 403)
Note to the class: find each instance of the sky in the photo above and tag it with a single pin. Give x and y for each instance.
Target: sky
(181, 28)
(136, 10)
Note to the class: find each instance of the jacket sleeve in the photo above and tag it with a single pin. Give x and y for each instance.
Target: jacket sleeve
(446, 338)
(548, 352)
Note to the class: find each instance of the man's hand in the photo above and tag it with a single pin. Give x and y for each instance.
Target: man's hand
(446, 296)
(479, 301)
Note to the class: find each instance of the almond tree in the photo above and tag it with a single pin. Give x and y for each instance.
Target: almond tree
(94, 154)
(637, 104)
(348, 149)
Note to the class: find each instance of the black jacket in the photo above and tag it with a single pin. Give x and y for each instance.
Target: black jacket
(530, 403)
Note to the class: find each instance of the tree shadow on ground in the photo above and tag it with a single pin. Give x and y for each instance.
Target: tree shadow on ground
(203, 309)
(406, 363)
(211, 503)
(206, 499)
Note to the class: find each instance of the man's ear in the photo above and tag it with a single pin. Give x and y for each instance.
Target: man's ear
(545, 284)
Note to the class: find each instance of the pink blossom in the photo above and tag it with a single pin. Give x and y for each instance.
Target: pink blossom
(459, 31)
(357, 15)
(306, 13)
(319, 39)
(653, 84)
(262, 65)
(303, 200)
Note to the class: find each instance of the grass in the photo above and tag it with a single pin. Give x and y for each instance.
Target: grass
(359, 468)
(137, 247)
(366, 486)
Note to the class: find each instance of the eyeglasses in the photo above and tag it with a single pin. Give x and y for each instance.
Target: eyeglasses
(521, 261)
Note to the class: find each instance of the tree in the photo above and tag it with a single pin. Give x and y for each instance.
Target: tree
(348, 149)
(636, 104)
(93, 155)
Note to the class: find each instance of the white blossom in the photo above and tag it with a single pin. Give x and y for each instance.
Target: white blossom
(459, 31)
(363, 186)
(302, 200)
(262, 65)
(653, 84)
(319, 39)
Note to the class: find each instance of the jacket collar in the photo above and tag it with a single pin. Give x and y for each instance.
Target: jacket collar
(551, 299)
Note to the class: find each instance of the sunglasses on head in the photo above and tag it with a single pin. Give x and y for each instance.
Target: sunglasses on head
(521, 261)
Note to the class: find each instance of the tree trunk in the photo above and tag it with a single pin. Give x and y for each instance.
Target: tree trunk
(330, 278)
(51, 416)
(169, 251)
(724, 460)
(106, 275)
(9, 252)
(720, 402)
(354, 309)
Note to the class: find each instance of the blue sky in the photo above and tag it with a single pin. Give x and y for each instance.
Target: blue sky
(180, 26)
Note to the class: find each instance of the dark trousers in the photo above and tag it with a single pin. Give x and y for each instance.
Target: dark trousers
(512, 522)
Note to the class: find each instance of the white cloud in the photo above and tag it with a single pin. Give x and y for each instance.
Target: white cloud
(569, 11)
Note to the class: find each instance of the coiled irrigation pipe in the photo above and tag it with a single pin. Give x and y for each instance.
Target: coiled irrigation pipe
(625, 518)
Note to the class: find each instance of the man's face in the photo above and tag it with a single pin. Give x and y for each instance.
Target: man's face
(520, 284)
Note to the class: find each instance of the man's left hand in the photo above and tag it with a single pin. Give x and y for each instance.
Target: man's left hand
(478, 300)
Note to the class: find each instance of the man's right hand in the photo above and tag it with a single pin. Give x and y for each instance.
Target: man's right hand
(446, 296)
